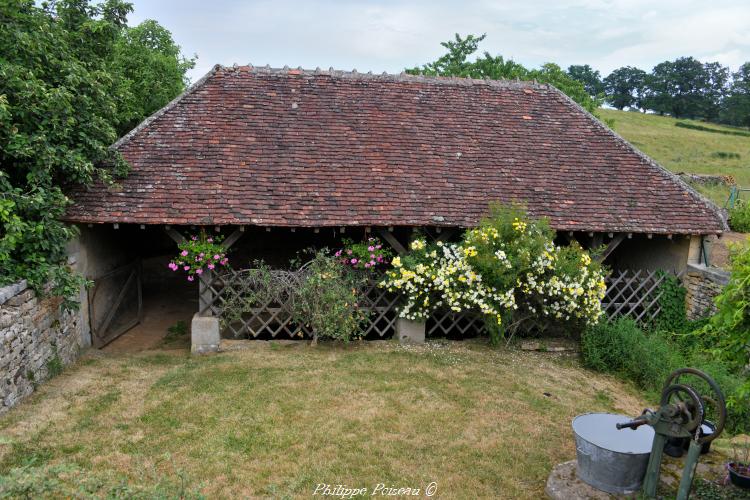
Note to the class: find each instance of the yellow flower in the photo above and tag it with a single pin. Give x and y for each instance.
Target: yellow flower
(519, 225)
(396, 261)
(417, 244)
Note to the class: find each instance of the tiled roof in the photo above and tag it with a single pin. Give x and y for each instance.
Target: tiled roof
(258, 146)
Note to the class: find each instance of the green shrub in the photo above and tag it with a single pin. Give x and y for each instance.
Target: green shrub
(327, 300)
(693, 126)
(739, 217)
(621, 347)
(726, 155)
(672, 309)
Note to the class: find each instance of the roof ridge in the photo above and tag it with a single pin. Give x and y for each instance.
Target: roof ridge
(385, 76)
(647, 159)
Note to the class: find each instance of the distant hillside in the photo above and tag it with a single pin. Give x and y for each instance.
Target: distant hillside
(687, 150)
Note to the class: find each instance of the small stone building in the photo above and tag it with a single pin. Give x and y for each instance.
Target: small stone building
(289, 158)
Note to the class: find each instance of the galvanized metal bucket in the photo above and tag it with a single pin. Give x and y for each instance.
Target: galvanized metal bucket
(611, 460)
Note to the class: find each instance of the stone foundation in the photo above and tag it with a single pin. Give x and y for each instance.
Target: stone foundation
(37, 339)
(410, 332)
(703, 284)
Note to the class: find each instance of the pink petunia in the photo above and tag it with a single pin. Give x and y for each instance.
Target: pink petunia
(194, 238)
(199, 271)
(184, 253)
(224, 261)
(217, 256)
(337, 254)
(380, 259)
(372, 262)
(378, 247)
(190, 278)
(354, 261)
(372, 255)
(367, 264)
(211, 266)
(348, 252)
(186, 268)
(371, 248)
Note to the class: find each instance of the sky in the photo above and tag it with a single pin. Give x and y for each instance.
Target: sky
(389, 35)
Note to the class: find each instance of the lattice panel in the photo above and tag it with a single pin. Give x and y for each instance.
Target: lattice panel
(232, 296)
(455, 325)
(634, 294)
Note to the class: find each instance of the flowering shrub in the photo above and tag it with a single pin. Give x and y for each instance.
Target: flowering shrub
(364, 255)
(198, 255)
(328, 299)
(508, 268)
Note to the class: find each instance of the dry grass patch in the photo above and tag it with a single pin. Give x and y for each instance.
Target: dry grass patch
(276, 421)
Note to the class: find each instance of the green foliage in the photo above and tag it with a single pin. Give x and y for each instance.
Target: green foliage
(456, 63)
(152, 71)
(589, 77)
(70, 481)
(622, 348)
(54, 364)
(726, 155)
(729, 328)
(177, 332)
(672, 309)
(702, 128)
(625, 87)
(686, 87)
(739, 216)
(328, 299)
(63, 98)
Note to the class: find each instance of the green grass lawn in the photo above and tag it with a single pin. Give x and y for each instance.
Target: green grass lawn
(276, 420)
(685, 150)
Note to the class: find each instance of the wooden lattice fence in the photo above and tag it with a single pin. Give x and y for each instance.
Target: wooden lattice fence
(232, 296)
(634, 294)
(244, 313)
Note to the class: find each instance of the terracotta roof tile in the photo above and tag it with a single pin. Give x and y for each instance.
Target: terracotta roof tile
(312, 148)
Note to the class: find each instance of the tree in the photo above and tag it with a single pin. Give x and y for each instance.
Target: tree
(625, 87)
(58, 116)
(688, 88)
(735, 109)
(152, 70)
(589, 77)
(455, 63)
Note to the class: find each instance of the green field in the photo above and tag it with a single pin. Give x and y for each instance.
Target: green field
(685, 150)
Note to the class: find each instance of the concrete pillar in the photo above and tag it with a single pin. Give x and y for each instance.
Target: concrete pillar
(410, 332)
(204, 334)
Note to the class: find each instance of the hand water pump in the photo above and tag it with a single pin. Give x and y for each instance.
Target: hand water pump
(682, 411)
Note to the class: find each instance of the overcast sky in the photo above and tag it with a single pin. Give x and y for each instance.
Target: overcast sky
(388, 35)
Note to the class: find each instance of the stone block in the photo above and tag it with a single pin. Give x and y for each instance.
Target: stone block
(21, 298)
(410, 332)
(204, 334)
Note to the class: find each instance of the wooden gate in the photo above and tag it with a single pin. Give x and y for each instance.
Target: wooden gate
(115, 303)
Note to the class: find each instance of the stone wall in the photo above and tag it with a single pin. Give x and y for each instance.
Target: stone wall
(37, 338)
(703, 284)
